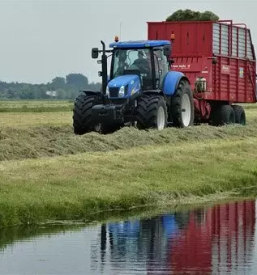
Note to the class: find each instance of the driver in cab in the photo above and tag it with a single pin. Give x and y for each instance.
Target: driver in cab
(142, 63)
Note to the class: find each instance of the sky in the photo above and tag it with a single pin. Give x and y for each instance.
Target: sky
(40, 40)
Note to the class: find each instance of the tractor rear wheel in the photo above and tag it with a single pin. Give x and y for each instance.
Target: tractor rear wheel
(82, 113)
(240, 117)
(151, 112)
(182, 106)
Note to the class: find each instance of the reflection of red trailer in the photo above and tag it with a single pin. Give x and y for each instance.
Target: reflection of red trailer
(214, 240)
(218, 243)
(219, 60)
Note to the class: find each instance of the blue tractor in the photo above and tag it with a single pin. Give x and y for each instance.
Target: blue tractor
(140, 90)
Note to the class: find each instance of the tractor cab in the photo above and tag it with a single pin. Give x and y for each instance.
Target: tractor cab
(149, 60)
(136, 66)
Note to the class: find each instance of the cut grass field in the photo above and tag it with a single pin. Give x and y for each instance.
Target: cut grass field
(36, 106)
(25, 120)
(22, 114)
(48, 173)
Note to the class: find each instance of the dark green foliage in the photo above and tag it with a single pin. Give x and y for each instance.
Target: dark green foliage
(58, 88)
(77, 80)
(189, 15)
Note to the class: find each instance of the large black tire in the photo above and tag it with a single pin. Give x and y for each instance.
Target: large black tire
(182, 106)
(151, 112)
(82, 113)
(223, 115)
(240, 116)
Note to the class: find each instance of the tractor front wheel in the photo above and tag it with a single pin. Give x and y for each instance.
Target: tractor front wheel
(151, 112)
(82, 113)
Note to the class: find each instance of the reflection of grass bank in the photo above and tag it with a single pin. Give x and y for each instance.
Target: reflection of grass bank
(10, 235)
(70, 187)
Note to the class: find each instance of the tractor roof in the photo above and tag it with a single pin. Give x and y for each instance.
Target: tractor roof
(139, 44)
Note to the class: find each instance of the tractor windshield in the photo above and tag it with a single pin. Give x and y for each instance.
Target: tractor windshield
(137, 60)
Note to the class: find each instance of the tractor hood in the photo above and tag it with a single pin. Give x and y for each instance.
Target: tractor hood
(123, 86)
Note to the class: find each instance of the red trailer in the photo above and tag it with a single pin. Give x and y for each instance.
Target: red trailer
(219, 60)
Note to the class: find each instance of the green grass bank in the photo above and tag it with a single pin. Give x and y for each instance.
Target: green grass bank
(72, 187)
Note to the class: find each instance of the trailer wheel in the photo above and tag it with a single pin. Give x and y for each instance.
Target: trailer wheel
(182, 106)
(151, 112)
(82, 119)
(239, 114)
(224, 115)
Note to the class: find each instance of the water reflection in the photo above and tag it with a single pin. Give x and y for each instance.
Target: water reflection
(217, 240)
(213, 240)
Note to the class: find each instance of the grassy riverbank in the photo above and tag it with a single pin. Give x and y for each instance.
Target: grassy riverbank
(70, 187)
(48, 173)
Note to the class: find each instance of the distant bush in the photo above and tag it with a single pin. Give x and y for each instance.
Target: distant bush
(189, 15)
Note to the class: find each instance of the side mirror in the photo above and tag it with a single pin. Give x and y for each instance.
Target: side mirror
(94, 53)
(167, 50)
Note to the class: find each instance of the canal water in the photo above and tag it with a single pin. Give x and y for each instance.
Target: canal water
(211, 240)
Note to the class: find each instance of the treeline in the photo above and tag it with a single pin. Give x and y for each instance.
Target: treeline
(59, 88)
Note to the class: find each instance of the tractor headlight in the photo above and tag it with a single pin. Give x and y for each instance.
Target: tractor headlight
(107, 91)
(121, 91)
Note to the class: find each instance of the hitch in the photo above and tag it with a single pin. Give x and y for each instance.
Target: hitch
(107, 114)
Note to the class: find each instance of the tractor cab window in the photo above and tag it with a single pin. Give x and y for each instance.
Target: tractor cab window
(119, 62)
(136, 60)
(161, 66)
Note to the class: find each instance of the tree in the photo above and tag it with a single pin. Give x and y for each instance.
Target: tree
(58, 83)
(78, 80)
(11, 93)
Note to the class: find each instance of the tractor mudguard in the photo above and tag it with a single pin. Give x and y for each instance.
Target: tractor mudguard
(171, 82)
(90, 92)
